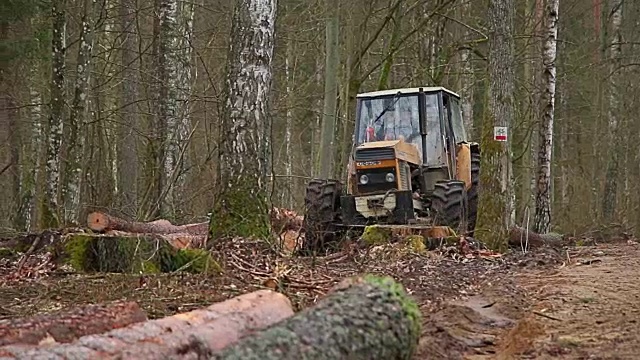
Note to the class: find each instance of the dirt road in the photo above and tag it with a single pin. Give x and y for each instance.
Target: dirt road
(587, 307)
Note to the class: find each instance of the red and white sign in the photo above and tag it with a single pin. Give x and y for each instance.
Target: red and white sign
(500, 133)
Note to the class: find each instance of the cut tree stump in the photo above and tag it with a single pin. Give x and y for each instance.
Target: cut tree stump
(152, 253)
(66, 326)
(367, 318)
(180, 336)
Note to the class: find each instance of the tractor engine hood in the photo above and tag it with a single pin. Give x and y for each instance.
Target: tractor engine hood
(376, 151)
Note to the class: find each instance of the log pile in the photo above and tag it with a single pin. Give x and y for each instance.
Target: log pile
(251, 326)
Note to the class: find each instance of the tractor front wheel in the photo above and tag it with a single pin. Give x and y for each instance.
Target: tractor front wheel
(449, 204)
(322, 214)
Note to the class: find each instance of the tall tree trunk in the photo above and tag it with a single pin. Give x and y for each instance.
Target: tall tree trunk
(50, 210)
(289, 59)
(467, 76)
(127, 169)
(332, 59)
(542, 219)
(497, 206)
(615, 48)
(32, 192)
(241, 207)
(71, 187)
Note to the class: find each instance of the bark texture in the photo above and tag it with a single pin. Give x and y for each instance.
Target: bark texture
(76, 133)
(241, 204)
(367, 318)
(126, 147)
(190, 335)
(616, 148)
(328, 132)
(67, 326)
(542, 219)
(497, 204)
(50, 211)
(103, 222)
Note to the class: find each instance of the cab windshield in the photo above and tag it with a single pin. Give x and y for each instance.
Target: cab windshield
(397, 118)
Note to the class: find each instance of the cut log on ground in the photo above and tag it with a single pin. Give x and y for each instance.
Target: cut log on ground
(66, 326)
(153, 253)
(100, 222)
(174, 337)
(370, 318)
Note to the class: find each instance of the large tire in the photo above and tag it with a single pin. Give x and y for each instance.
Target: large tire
(472, 193)
(449, 204)
(322, 213)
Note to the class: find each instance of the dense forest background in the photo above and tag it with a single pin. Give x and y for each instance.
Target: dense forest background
(118, 105)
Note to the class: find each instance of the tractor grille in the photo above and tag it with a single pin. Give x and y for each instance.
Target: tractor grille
(377, 182)
(375, 154)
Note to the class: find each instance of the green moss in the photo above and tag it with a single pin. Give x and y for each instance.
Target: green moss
(416, 243)
(398, 292)
(133, 255)
(240, 211)
(376, 235)
(77, 250)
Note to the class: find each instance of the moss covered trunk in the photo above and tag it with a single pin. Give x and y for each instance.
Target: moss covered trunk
(131, 254)
(371, 318)
(241, 202)
(496, 204)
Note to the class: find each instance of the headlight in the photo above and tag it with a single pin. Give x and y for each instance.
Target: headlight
(390, 177)
(364, 179)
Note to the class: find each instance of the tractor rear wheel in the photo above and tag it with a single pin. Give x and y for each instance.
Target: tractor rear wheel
(472, 193)
(449, 203)
(322, 214)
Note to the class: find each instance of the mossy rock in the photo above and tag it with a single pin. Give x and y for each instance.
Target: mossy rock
(376, 235)
(119, 254)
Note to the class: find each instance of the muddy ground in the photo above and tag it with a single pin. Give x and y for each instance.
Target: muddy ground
(570, 302)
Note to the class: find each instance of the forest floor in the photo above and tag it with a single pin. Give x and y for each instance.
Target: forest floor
(570, 302)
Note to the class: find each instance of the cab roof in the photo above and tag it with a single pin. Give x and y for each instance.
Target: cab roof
(413, 90)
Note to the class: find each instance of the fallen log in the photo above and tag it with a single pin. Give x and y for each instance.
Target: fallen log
(101, 222)
(66, 326)
(173, 337)
(370, 318)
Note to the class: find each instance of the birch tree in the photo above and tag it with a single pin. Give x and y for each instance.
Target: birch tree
(542, 220)
(615, 55)
(497, 201)
(71, 188)
(50, 211)
(241, 207)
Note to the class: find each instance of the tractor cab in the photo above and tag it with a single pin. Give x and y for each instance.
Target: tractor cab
(419, 116)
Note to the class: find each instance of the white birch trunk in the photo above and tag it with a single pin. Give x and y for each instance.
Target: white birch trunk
(288, 196)
(542, 219)
(34, 148)
(241, 203)
(168, 101)
(71, 189)
(615, 48)
(51, 212)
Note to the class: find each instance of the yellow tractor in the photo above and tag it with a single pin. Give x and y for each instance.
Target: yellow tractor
(411, 164)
